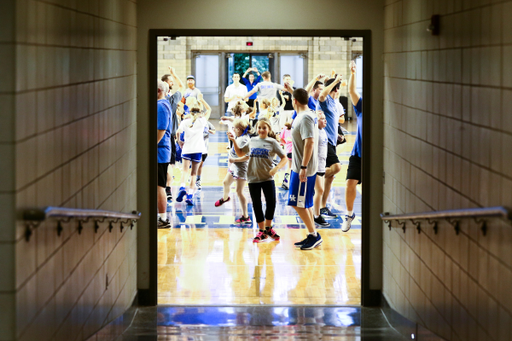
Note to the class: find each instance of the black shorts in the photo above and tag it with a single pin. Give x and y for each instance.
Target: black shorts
(332, 158)
(320, 174)
(354, 168)
(204, 156)
(173, 150)
(289, 156)
(162, 174)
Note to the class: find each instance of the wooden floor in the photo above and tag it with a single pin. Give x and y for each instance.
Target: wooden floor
(206, 259)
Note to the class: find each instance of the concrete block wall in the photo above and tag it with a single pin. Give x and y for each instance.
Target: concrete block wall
(67, 138)
(324, 53)
(447, 142)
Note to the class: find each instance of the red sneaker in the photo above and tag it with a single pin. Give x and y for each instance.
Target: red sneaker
(243, 220)
(261, 236)
(221, 201)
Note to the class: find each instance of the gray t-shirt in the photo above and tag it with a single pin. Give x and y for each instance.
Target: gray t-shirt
(192, 93)
(261, 155)
(305, 126)
(239, 169)
(268, 89)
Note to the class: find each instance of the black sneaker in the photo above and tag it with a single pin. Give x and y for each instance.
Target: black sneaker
(163, 224)
(302, 242)
(320, 221)
(327, 213)
(312, 242)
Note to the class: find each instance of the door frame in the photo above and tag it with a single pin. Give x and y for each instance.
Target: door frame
(369, 297)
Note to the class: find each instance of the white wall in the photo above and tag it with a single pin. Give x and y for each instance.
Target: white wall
(297, 14)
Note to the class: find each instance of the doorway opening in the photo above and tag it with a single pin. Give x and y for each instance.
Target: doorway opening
(206, 258)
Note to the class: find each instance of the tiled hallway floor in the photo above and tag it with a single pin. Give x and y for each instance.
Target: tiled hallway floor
(255, 323)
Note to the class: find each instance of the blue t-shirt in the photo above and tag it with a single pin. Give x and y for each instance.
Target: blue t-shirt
(358, 145)
(251, 86)
(312, 104)
(332, 116)
(164, 122)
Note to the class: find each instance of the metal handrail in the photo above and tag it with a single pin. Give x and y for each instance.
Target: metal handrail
(34, 216)
(452, 216)
(487, 212)
(40, 214)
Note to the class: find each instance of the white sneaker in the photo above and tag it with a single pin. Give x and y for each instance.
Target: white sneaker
(347, 222)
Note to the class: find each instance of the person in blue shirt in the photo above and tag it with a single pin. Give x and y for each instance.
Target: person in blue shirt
(354, 164)
(327, 102)
(164, 128)
(250, 83)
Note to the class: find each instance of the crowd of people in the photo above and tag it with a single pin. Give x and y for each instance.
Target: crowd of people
(269, 126)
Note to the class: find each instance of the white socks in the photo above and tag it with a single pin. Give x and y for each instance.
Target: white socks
(313, 234)
(349, 213)
(163, 216)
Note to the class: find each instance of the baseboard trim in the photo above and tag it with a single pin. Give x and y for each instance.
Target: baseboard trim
(406, 327)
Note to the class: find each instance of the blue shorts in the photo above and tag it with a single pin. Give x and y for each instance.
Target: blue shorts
(300, 194)
(196, 157)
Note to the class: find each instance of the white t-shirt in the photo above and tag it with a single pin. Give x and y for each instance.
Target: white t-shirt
(232, 90)
(194, 141)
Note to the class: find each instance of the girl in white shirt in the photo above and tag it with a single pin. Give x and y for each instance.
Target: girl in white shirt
(193, 147)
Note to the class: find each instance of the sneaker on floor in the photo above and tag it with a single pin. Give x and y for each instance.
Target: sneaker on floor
(169, 197)
(198, 184)
(347, 222)
(327, 213)
(285, 184)
(320, 221)
(312, 242)
(302, 242)
(261, 236)
(189, 200)
(269, 231)
(243, 220)
(181, 194)
(221, 201)
(163, 224)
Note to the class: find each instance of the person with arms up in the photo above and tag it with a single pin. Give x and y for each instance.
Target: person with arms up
(354, 164)
(327, 102)
(250, 83)
(286, 100)
(267, 89)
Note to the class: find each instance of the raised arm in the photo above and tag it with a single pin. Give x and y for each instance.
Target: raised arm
(239, 152)
(354, 95)
(208, 109)
(283, 102)
(327, 90)
(178, 80)
(311, 84)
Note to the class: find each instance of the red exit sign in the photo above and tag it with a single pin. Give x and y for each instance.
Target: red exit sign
(249, 43)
